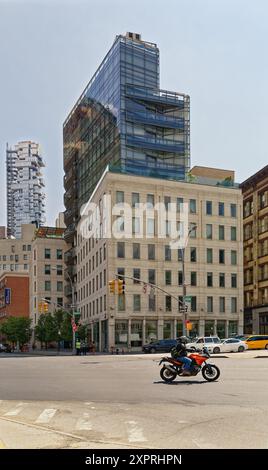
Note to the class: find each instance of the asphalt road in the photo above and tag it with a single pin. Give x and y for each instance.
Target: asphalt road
(120, 401)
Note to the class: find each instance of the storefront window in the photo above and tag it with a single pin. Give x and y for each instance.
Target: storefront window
(209, 327)
(150, 331)
(121, 333)
(167, 330)
(195, 329)
(233, 328)
(136, 333)
(221, 329)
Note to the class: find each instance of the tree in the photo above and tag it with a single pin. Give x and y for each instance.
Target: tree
(46, 329)
(82, 332)
(66, 331)
(17, 330)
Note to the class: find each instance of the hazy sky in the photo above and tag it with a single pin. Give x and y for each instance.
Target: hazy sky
(214, 50)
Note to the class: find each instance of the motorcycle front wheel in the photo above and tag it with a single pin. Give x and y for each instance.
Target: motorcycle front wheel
(210, 373)
(167, 375)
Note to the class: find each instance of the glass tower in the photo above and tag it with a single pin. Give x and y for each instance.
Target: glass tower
(123, 119)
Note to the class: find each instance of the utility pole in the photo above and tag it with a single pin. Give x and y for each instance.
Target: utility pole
(184, 289)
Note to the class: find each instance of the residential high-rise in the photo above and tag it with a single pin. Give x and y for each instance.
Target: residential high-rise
(25, 193)
(123, 119)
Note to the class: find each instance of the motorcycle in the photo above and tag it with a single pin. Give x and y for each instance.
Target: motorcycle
(173, 367)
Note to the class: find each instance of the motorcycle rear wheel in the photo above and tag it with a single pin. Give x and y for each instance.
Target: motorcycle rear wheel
(167, 375)
(210, 373)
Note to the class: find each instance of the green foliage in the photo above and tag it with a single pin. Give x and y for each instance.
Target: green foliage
(82, 332)
(46, 329)
(17, 329)
(66, 332)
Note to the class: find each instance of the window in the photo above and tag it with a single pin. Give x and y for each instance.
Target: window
(179, 204)
(193, 255)
(136, 225)
(222, 304)
(59, 286)
(29, 248)
(209, 255)
(209, 207)
(135, 199)
(221, 280)
(168, 278)
(210, 304)
(233, 257)
(136, 302)
(151, 252)
(47, 253)
(210, 279)
(60, 301)
(233, 234)
(150, 201)
(25, 257)
(25, 266)
(192, 206)
(47, 269)
(167, 202)
(150, 227)
(168, 303)
(234, 281)
(180, 279)
(136, 250)
(119, 197)
(152, 303)
(59, 269)
(180, 254)
(193, 303)
(47, 285)
(221, 232)
(192, 230)
(151, 276)
(24, 247)
(221, 256)
(120, 249)
(193, 278)
(233, 305)
(167, 253)
(233, 210)
(136, 274)
(221, 208)
(121, 303)
(209, 231)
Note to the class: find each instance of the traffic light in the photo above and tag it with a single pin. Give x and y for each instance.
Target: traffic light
(112, 286)
(45, 307)
(40, 307)
(120, 286)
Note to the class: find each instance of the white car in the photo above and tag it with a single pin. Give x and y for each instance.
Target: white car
(231, 345)
(210, 342)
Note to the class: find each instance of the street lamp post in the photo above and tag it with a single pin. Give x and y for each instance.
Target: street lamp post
(54, 268)
(184, 290)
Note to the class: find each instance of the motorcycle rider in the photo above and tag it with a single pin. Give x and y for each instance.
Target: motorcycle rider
(182, 355)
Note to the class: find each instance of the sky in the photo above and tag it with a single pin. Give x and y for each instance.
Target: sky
(213, 50)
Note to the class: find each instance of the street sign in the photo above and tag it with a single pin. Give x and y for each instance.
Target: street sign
(188, 298)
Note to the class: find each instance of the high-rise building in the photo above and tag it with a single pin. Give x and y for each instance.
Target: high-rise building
(255, 218)
(25, 193)
(123, 119)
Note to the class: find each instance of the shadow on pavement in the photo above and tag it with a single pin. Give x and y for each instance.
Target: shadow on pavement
(183, 382)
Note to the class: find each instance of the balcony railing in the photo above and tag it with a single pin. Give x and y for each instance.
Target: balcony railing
(165, 145)
(156, 119)
(158, 96)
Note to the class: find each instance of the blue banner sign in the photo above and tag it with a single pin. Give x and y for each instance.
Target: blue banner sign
(7, 295)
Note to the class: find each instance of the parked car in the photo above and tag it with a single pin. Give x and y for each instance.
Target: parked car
(241, 337)
(231, 345)
(162, 345)
(209, 342)
(257, 342)
(2, 348)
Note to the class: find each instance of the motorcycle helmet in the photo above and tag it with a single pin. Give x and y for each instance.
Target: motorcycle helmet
(182, 339)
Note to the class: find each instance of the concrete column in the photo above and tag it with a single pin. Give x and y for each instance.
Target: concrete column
(143, 331)
(160, 328)
(111, 333)
(175, 328)
(92, 331)
(227, 329)
(129, 334)
(215, 328)
(201, 328)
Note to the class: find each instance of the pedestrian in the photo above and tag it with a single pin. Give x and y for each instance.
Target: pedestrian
(78, 347)
(84, 348)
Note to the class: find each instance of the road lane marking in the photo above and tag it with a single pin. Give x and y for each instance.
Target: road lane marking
(15, 411)
(135, 433)
(83, 424)
(2, 445)
(46, 415)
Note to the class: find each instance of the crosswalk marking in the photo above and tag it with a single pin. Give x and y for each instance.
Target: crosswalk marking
(83, 424)
(135, 433)
(46, 415)
(15, 411)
